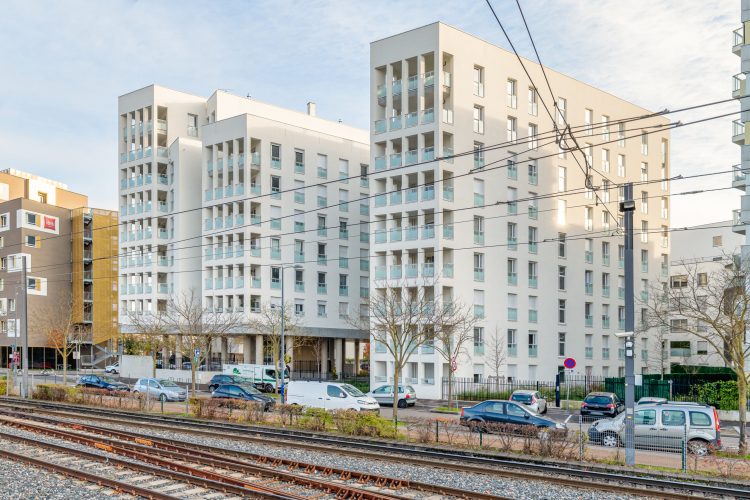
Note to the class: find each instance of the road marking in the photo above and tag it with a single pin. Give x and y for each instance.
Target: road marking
(566, 420)
(737, 430)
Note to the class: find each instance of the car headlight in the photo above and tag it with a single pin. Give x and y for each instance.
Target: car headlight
(363, 402)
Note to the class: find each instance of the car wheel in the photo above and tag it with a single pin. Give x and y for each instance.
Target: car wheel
(698, 447)
(136, 392)
(402, 403)
(211, 388)
(163, 398)
(545, 410)
(268, 388)
(610, 440)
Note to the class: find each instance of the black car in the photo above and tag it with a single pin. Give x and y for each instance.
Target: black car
(243, 392)
(606, 404)
(218, 380)
(97, 382)
(503, 412)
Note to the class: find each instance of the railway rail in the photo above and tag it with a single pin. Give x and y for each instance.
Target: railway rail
(569, 475)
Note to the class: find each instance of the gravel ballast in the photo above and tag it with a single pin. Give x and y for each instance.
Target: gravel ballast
(24, 481)
(506, 487)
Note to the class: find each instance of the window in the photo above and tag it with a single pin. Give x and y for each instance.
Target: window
(512, 98)
(478, 192)
(621, 134)
(512, 337)
(644, 231)
(322, 166)
(533, 141)
(561, 250)
(699, 419)
(532, 342)
(4, 221)
(512, 235)
(717, 241)
(343, 200)
(702, 279)
(605, 127)
(701, 348)
(561, 277)
(533, 275)
(478, 267)
(605, 161)
(678, 325)
(512, 271)
(32, 219)
(478, 155)
(42, 197)
(533, 172)
(478, 337)
(32, 241)
(479, 119)
(673, 418)
(192, 129)
(276, 155)
(299, 161)
(299, 308)
(533, 235)
(644, 143)
(478, 81)
(343, 310)
(562, 179)
(299, 191)
(588, 218)
(561, 311)
(588, 119)
(645, 417)
(512, 127)
(343, 170)
(533, 108)
(275, 186)
(562, 105)
(478, 229)
(621, 165)
(561, 344)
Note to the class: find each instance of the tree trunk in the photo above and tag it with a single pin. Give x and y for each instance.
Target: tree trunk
(65, 366)
(396, 375)
(276, 368)
(450, 387)
(193, 369)
(742, 400)
(153, 363)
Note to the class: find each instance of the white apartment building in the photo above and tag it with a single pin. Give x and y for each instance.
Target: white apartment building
(698, 254)
(545, 271)
(740, 132)
(218, 194)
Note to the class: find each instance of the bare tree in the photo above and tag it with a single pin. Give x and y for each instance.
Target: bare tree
(452, 330)
(150, 334)
(268, 323)
(400, 318)
(494, 353)
(658, 358)
(713, 307)
(62, 333)
(198, 326)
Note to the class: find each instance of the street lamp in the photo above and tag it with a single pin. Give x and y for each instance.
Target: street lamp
(282, 347)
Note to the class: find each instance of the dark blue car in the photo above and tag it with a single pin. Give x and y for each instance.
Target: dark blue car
(503, 412)
(243, 392)
(97, 382)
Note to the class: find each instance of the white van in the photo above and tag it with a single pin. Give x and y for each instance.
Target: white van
(329, 395)
(262, 376)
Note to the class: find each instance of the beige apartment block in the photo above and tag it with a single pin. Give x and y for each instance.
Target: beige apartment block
(509, 229)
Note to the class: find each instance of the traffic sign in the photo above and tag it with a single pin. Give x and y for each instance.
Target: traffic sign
(454, 364)
(569, 363)
(197, 354)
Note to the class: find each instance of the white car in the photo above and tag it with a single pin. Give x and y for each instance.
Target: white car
(533, 400)
(329, 395)
(115, 368)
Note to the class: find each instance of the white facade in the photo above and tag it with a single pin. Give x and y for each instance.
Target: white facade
(435, 92)
(703, 251)
(264, 187)
(740, 130)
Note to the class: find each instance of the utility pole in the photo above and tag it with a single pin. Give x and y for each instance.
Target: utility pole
(25, 333)
(627, 207)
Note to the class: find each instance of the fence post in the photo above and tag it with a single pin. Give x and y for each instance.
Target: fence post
(580, 438)
(437, 431)
(684, 448)
(557, 390)
(187, 399)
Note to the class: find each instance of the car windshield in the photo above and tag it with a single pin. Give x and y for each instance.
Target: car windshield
(109, 380)
(598, 400)
(353, 391)
(250, 389)
(167, 383)
(523, 398)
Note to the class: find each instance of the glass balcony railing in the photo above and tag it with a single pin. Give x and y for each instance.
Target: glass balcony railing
(589, 352)
(412, 233)
(255, 251)
(448, 231)
(395, 123)
(533, 351)
(395, 234)
(410, 270)
(395, 160)
(412, 195)
(428, 154)
(512, 350)
(380, 236)
(448, 270)
(380, 272)
(379, 127)
(512, 279)
(396, 87)
(428, 192)
(533, 282)
(428, 231)
(428, 270)
(738, 129)
(478, 311)
(428, 116)
(412, 119)
(255, 159)
(478, 274)
(396, 198)
(411, 157)
(589, 288)
(533, 315)
(395, 272)
(479, 238)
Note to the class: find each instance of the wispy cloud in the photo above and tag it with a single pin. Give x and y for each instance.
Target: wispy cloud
(64, 64)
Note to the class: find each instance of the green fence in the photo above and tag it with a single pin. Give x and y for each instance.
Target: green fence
(649, 388)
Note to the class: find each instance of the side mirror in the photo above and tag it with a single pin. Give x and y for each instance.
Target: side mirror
(526, 416)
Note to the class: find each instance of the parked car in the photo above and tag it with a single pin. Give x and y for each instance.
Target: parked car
(533, 400)
(97, 382)
(161, 389)
(504, 412)
(606, 404)
(114, 368)
(663, 426)
(648, 399)
(218, 380)
(329, 395)
(407, 396)
(243, 392)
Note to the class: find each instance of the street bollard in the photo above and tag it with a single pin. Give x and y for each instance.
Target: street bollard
(187, 399)
(481, 435)
(580, 438)
(437, 431)
(162, 405)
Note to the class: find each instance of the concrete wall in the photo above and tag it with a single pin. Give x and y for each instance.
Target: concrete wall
(136, 366)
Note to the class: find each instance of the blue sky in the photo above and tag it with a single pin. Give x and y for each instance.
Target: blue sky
(63, 64)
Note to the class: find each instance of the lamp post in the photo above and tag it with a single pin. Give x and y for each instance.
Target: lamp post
(627, 207)
(282, 348)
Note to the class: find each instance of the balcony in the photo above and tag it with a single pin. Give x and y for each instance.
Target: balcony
(275, 253)
(322, 288)
(589, 321)
(412, 119)
(448, 270)
(512, 350)
(379, 127)
(162, 152)
(738, 85)
(411, 157)
(605, 321)
(738, 40)
(512, 279)
(478, 238)
(428, 192)
(395, 234)
(254, 251)
(448, 193)
(448, 231)
(478, 311)
(478, 274)
(428, 270)
(163, 288)
(395, 123)
(533, 282)
(589, 352)
(255, 159)
(605, 352)
(428, 154)
(343, 290)
(396, 198)
(395, 272)
(380, 200)
(738, 132)
(395, 160)
(738, 177)
(380, 236)
(428, 231)
(738, 225)
(412, 233)
(396, 87)
(589, 288)
(411, 270)
(428, 116)
(412, 195)
(589, 257)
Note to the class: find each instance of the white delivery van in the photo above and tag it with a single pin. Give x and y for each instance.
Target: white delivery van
(329, 395)
(262, 376)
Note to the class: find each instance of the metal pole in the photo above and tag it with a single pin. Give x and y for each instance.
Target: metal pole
(25, 332)
(628, 207)
(282, 347)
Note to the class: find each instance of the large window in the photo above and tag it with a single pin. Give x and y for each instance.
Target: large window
(479, 119)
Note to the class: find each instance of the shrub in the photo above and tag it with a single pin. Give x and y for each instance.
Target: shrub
(723, 395)
(205, 408)
(50, 392)
(315, 419)
(422, 430)
(372, 424)
(3, 386)
(289, 413)
(253, 412)
(343, 420)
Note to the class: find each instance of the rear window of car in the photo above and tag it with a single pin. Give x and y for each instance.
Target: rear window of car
(524, 398)
(598, 400)
(699, 419)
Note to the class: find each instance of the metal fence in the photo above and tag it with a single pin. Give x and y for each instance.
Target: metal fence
(574, 387)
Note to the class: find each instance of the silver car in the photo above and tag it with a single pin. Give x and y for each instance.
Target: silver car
(407, 396)
(532, 400)
(161, 389)
(664, 427)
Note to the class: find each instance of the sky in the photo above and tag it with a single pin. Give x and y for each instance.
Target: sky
(64, 63)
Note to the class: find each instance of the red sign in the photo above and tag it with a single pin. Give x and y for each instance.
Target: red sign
(454, 364)
(569, 363)
(50, 223)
